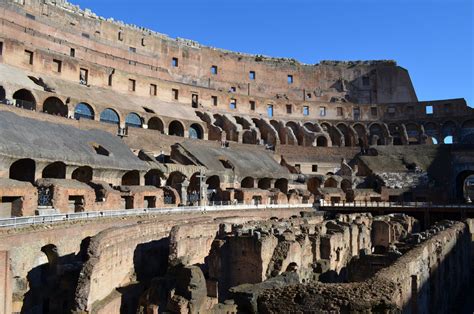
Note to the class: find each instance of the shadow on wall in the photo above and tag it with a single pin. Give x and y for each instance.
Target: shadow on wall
(53, 284)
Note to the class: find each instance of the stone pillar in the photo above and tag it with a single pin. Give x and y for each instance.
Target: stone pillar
(184, 192)
(5, 283)
(203, 194)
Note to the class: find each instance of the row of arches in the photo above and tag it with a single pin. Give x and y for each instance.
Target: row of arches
(25, 170)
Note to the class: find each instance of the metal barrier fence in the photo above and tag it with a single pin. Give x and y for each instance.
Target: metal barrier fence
(55, 218)
(381, 204)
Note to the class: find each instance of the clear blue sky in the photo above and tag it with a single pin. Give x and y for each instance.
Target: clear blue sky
(433, 39)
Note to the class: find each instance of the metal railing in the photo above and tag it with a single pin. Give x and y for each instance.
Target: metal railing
(384, 204)
(57, 218)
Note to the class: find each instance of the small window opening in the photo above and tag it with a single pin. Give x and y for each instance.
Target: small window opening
(100, 150)
(322, 111)
(290, 79)
(85, 35)
(175, 94)
(233, 104)
(72, 52)
(57, 65)
(143, 42)
(226, 164)
(429, 109)
(175, 62)
(314, 168)
(153, 89)
(252, 75)
(131, 85)
(83, 76)
(308, 95)
(214, 100)
(305, 111)
(132, 49)
(252, 105)
(339, 111)
(120, 35)
(29, 56)
(194, 100)
(233, 89)
(111, 78)
(270, 111)
(214, 69)
(289, 109)
(1, 48)
(373, 111)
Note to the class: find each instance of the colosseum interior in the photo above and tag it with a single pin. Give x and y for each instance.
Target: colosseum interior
(145, 174)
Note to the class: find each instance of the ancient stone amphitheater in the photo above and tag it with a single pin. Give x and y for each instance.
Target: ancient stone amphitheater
(145, 174)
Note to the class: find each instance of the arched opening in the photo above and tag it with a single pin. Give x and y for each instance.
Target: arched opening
(432, 140)
(194, 184)
(322, 141)
(153, 177)
(214, 189)
(83, 111)
(448, 139)
(330, 183)
(282, 185)
(2, 93)
(133, 120)
(82, 174)
(24, 99)
(247, 183)
(131, 178)
(431, 130)
(176, 128)
(347, 135)
(265, 183)
(465, 186)
(110, 116)
(55, 106)
(294, 126)
(175, 179)
(376, 134)
(313, 184)
(56, 170)
(413, 133)
(23, 170)
(361, 133)
(195, 131)
(249, 137)
(155, 123)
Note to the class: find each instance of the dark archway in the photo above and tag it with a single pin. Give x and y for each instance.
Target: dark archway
(175, 179)
(153, 177)
(194, 184)
(56, 170)
(176, 128)
(133, 120)
(265, 183)
(83, 111)
(282, 185)
(330, 183)
(2, 93)
(23, 170)
(110, 116)
(155, 123)
(465, 185)
(346, 185)
(313, 184)
(55, 107)
(214, 188)
(348, 139)
(322, 141)
(82, 174)
(24, 99)
(195, 131)
(131, 178)
(247, 183)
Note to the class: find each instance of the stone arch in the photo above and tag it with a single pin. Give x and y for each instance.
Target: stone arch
(196, 131)
(349, 139)
(396, 132)
(294, 126)
(131, 178)
(313, 184)
(361, 132)
(84, 111)
(194, 183)
(282, 185)
(55, 106)
(248, 183)
(176, 128)
(413, 133)
(153, 177)
(110, 116)
(214, 185)
(56, 170)
(133, 120)
(346, 185)
(24, 99)
(376, 134)
(175, 180)
(331, 183)
(249, 137)
(465, 185)
(449, 129)
(467, 131)
(156, 123)
(265, 183)
(83, 174)
(23, 170)
(322, 141)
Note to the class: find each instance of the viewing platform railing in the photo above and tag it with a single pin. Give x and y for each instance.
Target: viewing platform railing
(57, 218)
(380, 204)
